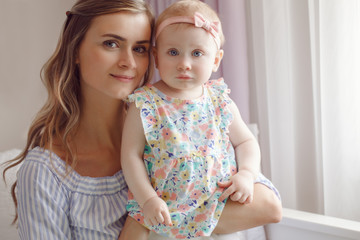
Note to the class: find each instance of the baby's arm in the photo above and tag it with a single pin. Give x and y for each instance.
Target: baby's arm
(247, 152)
(132, 149)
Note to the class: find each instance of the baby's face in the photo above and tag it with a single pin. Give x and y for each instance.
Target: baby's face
(186, 56)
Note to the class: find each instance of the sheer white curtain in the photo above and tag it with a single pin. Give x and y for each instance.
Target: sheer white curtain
(340, 98)
(305, 83)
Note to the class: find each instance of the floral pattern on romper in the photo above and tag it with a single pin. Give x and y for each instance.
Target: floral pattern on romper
(187, 152)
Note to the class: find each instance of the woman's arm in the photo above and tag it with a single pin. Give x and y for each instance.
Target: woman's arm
(264, 209)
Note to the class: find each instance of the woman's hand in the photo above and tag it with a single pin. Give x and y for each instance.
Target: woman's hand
(240, 187)
(156, 211)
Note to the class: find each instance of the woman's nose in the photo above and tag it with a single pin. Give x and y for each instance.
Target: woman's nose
(127, 59)
(184, 64)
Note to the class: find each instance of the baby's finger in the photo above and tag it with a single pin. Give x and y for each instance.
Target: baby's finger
(235, 196)
(226, 194)
(249, 200)
(167, 218)
(243, 198)
(159, 218)
(224, 184)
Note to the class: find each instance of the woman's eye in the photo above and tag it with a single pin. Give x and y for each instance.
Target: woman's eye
(173, 52)
(110, 44)
(197, 53)
(140, 49)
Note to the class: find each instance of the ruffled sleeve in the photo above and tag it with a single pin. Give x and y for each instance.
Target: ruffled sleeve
(42, 203)
(144, 101)
(219, 93)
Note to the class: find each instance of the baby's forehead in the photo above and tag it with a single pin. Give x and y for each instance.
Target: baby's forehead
(184, 34)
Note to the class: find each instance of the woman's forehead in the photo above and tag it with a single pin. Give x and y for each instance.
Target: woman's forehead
(131, 25)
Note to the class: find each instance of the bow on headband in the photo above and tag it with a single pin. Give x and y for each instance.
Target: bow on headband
(198, 20)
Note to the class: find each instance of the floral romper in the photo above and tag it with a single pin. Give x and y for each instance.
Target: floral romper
(187, 152)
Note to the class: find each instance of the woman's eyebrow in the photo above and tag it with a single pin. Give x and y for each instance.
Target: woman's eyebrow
(124, 39)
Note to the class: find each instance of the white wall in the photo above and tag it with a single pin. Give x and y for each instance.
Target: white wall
(28, 35)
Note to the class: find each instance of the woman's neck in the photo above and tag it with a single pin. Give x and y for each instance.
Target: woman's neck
(101, 123)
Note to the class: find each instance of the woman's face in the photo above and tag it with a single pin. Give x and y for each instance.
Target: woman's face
(113, 56)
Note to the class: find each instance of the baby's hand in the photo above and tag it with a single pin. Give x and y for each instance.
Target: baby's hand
(156, 211)
(240, 187)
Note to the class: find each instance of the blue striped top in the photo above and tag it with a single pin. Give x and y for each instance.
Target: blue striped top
(51, 206)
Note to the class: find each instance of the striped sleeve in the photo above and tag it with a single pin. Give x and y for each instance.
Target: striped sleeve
(41, 203)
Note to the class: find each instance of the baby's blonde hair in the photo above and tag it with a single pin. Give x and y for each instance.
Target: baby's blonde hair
(188, 8)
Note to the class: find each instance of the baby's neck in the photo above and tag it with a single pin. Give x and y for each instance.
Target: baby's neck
(183, 94)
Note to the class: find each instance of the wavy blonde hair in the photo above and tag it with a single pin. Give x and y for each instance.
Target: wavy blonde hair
(59, 117)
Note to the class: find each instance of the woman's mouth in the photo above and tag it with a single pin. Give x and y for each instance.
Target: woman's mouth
(123, 78)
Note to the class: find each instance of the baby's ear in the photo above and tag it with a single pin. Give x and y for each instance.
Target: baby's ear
(218, 58)
(154, 51)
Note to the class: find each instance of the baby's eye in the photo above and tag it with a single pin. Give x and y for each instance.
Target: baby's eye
(197, 53)
(140, 49)
(173, 52)
(110, 44)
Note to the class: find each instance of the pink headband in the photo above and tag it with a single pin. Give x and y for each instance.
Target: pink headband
(198, 20)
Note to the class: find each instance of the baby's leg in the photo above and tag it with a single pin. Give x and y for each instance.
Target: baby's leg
(133, 230)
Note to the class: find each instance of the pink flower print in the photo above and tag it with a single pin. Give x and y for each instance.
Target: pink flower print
(150, 120)
(190, 187)
(160, 173)
(138, 217)
(174, 231)
(184, 137)
(183, 207)
(201, 217)
(204, 127)
(173, 197)
(213, 171)
(217, 111)
(212, 208)
(195, 194)
(162, 111)
(173, 163)
(180, 237)
(166, 133)
(178, 105)
(204, 150)
(199, 234)
(210, 134)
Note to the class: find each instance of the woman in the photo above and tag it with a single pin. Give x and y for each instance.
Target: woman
(70, 184)
(101, 57)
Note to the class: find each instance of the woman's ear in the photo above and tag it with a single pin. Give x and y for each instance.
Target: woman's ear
(218, 58)
(154, 50)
